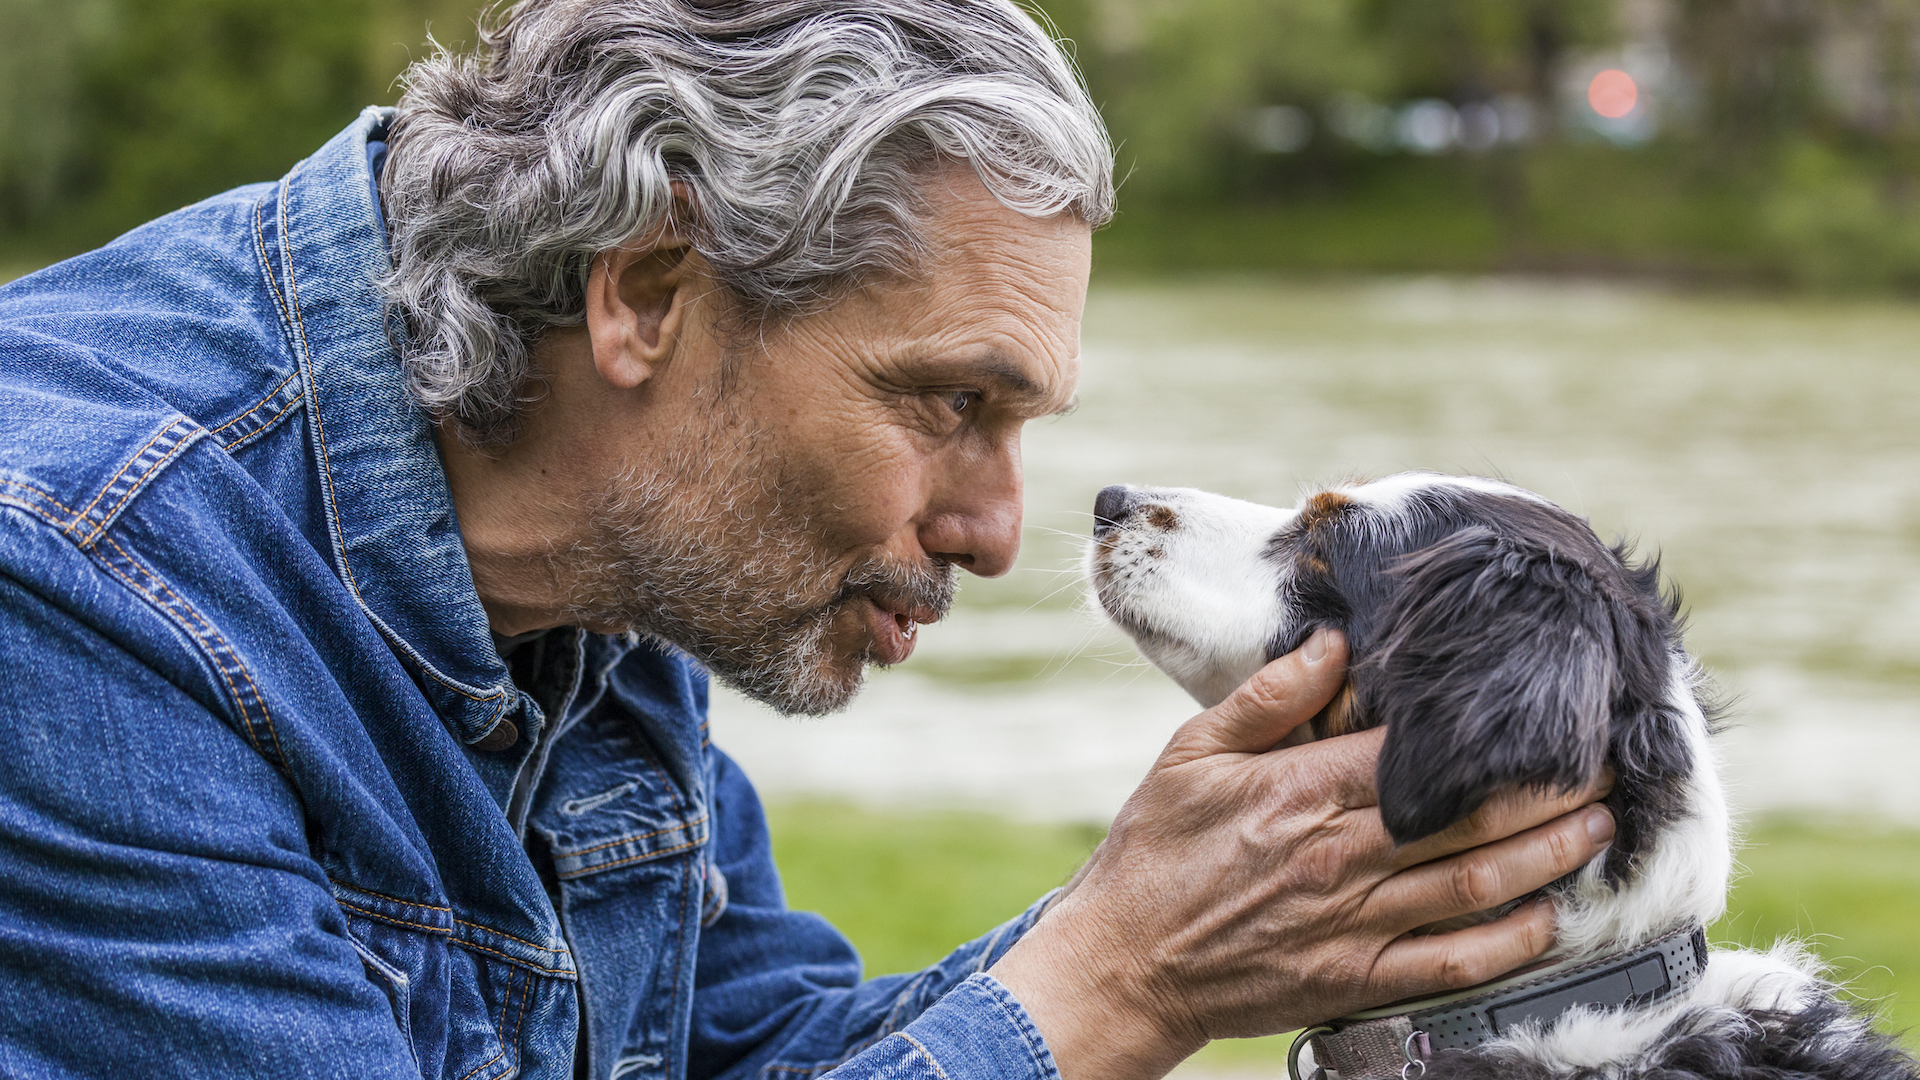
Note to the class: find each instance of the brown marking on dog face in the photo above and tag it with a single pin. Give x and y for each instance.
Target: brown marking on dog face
(1322, 508)
(1162, 517)
(1156, 553)
(1337, 718)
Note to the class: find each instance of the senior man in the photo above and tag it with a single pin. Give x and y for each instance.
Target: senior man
(368, 536)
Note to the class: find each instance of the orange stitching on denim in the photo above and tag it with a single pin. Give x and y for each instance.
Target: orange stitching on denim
(394, 919)
(924, 1052)
(502, 933)
(526, 988)
(319, 429)
(680, 919)
(266, 264)
(464, 943)
(390, 899)
(506, 999)
(233, 691)
(701, 820)
(219, 643)
(489, 1061)
(49, 499)
(520, 1019)
(265, 425)
(259, 699)
(179, 447)
(597, 867)
(157, 436)
(271, 394)
(455, 687)
(496, 1032)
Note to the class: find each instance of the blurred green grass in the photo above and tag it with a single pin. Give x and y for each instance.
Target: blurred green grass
(907, 886)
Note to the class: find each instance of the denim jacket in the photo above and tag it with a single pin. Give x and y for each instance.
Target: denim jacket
(271, 801)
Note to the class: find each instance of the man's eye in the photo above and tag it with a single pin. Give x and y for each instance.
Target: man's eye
(960, 400)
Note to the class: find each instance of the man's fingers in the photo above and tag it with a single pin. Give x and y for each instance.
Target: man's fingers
(1278, 698)
(1421, 965)
(1494, 874)
(1346, 766)
(1503, 815)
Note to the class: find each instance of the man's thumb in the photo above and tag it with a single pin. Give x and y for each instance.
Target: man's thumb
(1278, 698)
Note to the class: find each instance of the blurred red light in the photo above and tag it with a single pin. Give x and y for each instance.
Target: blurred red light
(1612, 93)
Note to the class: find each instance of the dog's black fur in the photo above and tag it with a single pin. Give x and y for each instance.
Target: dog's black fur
(1700, 1046)
(1503, 645)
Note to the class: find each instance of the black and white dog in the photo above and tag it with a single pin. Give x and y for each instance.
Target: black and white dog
(1502, 645)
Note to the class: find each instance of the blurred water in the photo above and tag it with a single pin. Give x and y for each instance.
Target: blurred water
(1768, 449)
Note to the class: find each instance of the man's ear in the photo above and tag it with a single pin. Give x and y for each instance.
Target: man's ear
(637, 300)
(1497, 670)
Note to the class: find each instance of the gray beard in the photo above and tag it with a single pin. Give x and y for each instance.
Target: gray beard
(705, 552)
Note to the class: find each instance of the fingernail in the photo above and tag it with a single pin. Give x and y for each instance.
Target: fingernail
(1315, 650)
(1599, 825)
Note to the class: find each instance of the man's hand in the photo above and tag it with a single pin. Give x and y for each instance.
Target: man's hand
(1245, 890)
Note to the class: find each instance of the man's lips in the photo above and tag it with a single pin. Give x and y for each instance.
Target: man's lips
(894, 629)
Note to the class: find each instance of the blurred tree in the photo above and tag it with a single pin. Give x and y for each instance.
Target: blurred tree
(1466, 50)
(1800, 160)
(119, 110)
(39, 57)
(1179, 79)
(1753, 64)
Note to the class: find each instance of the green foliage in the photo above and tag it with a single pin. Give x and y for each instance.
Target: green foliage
(40, 54)
(1177, 80)
(1847, 889)
(1839, 221)
(1466, 49)
(908, 886)
(116, 111)
(186, 99)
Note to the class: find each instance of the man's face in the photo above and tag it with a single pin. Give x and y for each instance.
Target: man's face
(797, 503)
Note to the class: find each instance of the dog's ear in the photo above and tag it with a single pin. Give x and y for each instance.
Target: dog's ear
(1495, 669)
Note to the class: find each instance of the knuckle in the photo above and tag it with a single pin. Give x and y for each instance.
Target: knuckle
(1459, 969)
(1267, 692)
(1475, 885)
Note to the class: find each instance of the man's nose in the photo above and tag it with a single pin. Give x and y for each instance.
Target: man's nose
(977, 527)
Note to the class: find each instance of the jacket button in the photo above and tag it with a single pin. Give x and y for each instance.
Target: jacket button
(501, 736)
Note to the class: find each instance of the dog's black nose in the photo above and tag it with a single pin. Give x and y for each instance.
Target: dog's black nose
(1110, 508)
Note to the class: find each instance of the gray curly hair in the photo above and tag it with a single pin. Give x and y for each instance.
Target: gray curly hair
(799, 129)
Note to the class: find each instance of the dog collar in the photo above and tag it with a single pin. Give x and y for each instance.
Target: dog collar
(1399, 1040)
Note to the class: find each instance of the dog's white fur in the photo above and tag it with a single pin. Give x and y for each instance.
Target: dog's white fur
(1202, 599)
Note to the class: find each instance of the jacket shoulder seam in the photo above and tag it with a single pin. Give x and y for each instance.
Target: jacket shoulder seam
(161, 449)
(143, 581)
(279, 403)
(242, 689)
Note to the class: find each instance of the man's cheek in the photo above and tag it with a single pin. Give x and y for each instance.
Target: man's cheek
(870, 495)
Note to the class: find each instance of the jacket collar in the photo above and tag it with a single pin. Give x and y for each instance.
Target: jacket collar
(389, 512)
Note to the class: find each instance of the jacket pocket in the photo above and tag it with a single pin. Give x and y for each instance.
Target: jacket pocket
(454, 1007)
